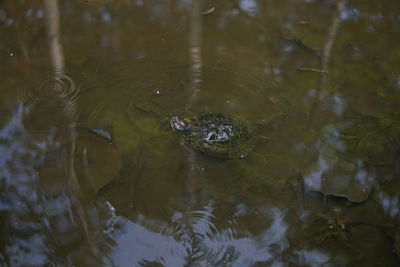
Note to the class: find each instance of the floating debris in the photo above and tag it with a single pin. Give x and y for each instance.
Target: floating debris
(102, 133)
(315, 70)
(208, 11)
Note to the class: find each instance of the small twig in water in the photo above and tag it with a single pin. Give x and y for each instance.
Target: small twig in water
(314, 70)
(208, 11)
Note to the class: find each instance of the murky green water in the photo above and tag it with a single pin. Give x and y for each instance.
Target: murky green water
(91, 173)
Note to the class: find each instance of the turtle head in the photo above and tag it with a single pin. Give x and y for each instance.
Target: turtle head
(181, 124)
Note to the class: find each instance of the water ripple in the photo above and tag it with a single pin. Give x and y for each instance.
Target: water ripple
(194, 238)
(59, 91)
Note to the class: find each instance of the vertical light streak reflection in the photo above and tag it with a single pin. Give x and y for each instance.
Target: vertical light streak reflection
(325, 60)
(195, 80)
(70, 107)
(195, 51)
(54, 35)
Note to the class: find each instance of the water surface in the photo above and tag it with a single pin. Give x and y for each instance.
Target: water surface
(91, 173)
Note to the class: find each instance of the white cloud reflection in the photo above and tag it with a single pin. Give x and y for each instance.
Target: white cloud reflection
(135, 244)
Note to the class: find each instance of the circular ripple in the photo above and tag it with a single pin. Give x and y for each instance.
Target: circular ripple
(60, 88)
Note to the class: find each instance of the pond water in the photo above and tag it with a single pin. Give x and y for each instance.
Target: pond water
(91, 173)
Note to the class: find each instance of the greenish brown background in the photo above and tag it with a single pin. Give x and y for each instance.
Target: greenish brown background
(92, 175)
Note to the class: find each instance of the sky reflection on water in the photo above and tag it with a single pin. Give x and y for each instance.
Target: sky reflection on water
(136, 244)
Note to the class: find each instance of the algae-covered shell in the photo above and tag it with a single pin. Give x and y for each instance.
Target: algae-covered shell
(215, 134)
